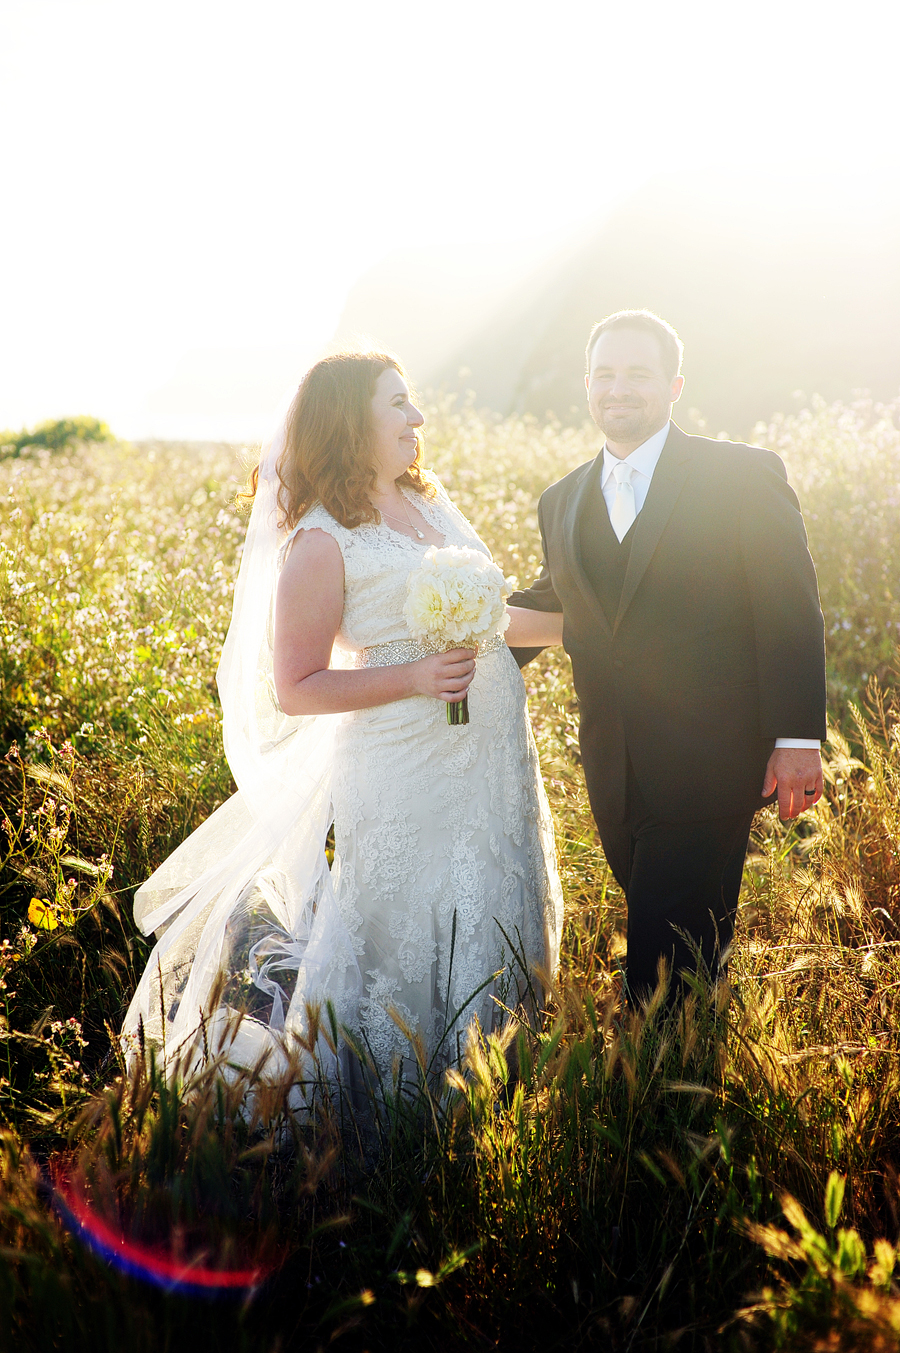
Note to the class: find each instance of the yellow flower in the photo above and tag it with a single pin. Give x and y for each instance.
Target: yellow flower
(41, 914)
(426, 609)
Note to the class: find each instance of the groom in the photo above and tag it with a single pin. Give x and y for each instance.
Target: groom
(691, 615)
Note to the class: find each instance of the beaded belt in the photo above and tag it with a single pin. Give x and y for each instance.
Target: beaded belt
(410, 650)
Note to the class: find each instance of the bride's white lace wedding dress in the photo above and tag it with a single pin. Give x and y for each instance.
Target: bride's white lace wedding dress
(443, 895)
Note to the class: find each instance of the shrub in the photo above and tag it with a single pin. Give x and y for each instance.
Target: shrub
(57, 434)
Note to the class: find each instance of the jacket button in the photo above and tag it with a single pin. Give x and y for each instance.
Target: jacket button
(618, 664)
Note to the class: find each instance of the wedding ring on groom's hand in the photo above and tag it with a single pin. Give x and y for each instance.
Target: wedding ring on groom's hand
(809, 793)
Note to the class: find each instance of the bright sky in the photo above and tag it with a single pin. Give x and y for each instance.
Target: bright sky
(190, 189)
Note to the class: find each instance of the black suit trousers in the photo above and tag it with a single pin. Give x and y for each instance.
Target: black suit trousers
(681, 881)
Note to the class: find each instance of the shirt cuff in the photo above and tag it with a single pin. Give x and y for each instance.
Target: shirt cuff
(810, 744)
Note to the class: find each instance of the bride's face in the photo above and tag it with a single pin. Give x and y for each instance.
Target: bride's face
(394, 422)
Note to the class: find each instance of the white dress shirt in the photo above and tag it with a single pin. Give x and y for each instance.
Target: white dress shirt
(643, 462)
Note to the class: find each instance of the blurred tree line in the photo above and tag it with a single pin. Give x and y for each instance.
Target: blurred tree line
(56, 433)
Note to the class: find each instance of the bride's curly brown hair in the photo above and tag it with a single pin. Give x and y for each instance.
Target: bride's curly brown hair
(328, 454)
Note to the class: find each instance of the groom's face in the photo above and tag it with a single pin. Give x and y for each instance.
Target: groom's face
(629, 393)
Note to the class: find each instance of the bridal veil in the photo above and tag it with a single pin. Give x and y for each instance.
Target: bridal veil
(247, 899)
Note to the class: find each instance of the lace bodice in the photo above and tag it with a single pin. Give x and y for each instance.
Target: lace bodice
(378, 562)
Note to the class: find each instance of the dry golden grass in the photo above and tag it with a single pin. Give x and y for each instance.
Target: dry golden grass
(591, 1182)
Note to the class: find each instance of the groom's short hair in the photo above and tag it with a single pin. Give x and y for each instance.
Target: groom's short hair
(670, 345)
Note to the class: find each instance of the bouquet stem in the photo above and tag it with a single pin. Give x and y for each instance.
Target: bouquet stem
(458, 711)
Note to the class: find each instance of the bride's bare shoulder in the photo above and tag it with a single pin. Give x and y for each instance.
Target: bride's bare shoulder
(311, 547)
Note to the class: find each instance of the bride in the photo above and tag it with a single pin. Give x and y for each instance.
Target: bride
(442, 903)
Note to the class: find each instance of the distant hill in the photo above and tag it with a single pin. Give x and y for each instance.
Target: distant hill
(430, 303)
(772, 295)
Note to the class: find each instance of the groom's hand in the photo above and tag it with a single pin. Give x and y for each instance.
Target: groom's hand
(794, 771)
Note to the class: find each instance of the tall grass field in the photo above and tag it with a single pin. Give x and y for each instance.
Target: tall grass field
(727, 1177)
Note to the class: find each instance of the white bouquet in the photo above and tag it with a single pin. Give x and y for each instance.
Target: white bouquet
(455, 600)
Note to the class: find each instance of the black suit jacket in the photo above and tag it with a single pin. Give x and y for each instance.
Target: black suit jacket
(718, 644)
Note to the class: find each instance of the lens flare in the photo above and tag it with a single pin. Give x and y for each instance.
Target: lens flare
(152, 1264)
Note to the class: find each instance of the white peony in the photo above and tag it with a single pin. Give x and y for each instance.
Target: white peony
(456, 597)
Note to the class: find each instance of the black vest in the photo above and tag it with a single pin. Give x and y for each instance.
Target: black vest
(603, 558)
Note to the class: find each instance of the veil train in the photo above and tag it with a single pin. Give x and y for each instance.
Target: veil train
(247, 900)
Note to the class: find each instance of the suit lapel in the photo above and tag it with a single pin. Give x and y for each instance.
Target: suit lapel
(572, 541)
(668, 481)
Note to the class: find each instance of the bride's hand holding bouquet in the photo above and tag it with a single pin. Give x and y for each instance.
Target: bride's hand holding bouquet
(455, 601)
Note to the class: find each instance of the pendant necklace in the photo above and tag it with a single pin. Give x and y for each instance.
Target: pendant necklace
(390, 516)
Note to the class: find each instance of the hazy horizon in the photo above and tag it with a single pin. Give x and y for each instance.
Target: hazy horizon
(196, 198)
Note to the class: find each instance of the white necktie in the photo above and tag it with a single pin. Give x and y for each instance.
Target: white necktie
(622, 513)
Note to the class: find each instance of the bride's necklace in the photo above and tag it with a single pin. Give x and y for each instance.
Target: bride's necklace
(390, 516)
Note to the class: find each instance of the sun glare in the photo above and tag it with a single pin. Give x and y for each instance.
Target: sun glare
(198, 184)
